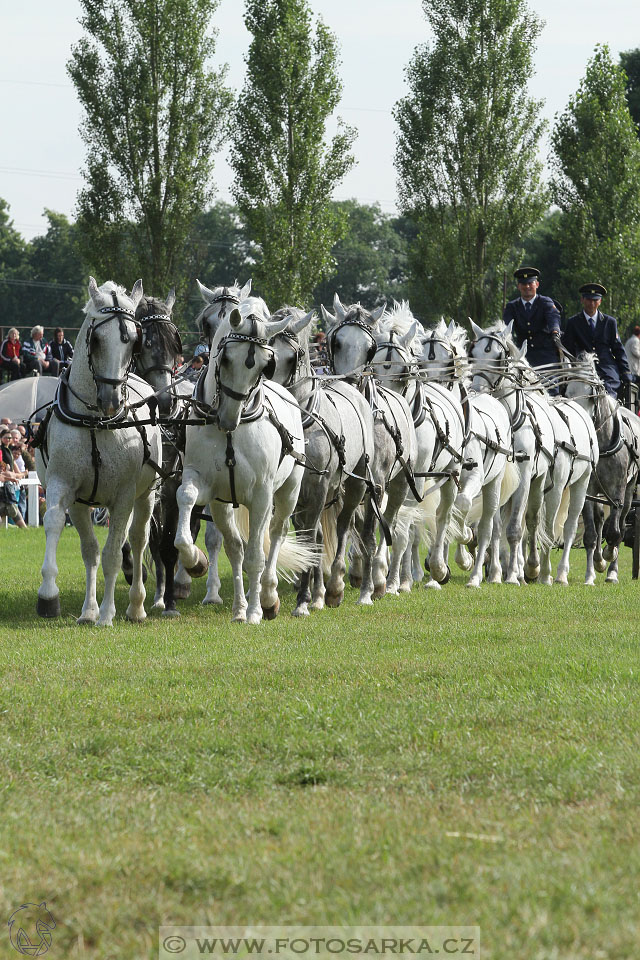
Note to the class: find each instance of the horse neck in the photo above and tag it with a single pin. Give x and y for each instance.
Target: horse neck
(603, 416)
(304, 376)
(80, 377)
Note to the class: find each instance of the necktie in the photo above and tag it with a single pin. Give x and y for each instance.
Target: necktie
(527, 308)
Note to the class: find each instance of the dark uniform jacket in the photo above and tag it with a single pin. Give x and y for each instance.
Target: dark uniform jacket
(61, 351)
(536, 328)
(611, 359)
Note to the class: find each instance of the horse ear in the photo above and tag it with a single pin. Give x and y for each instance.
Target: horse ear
(94, 293)
(206, 294)
(441, 327)
(297, 325)
(477, 331)
(326, 316)
(171, 299)
(451, 329)
(409, 335)
(246, 290)
(137, 292)
(236, 318)
(507, 329)
(523, 351)
(276, 327)
(339, 309)
(378, 312)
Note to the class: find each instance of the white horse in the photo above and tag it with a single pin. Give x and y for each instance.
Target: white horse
(352, 346)
(218, 304)
(91, 452)
(488, 475)
(440, 434)
(575, 454)
(339, 438)
(250, 451)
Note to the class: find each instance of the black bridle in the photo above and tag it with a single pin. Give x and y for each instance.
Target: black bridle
(298, 354)
(253, 340)
(145, 323)
(351, 322)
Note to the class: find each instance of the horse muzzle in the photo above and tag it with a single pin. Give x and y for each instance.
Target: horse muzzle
(109, 399)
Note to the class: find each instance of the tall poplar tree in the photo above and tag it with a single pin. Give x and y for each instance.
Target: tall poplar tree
(466, 154)
(285, 170)
(153, 108)
(596, 183)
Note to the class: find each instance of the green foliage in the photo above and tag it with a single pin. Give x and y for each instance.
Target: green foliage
(285, 171)
(370, 258)
(153, 109)
(43, 281)
(630, 63)
(596, 183)
(468, 175)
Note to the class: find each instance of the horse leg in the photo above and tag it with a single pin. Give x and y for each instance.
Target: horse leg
(112, 559)
(181, 582)
(81, 518)
(494, 571)
(224, 520)
(599, 562)
(213, 543)
(59, 499)
(417, 572)
(490, 505)
(306, 518)
(139, 535)
(532, 520)
(589, 539)
(168, 554)
(401, 535)
(578, 491)
(284, 503)
(254, 562)
(368, 538)
(514, 527)
(353, 492)
(193, 559)
(438, 562)
(396, 495)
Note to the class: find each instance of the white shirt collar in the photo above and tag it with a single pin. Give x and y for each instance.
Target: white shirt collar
(532, 301)
(594, 317)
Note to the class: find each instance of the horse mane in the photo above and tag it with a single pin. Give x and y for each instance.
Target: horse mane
(168, 336)
(399, 320)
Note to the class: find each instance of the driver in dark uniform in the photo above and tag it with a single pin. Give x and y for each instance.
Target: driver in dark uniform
(597, 333)
(535, 319)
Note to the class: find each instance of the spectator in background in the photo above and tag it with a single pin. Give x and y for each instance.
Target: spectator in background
(61, 349)
(195, 367)
(37, 357)
(632, 349)
(10, 355)
(9, 477)
(20, 467)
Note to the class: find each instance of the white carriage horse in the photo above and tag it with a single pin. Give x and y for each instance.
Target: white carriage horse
(92, 451)
(249, 450)
(573, 456)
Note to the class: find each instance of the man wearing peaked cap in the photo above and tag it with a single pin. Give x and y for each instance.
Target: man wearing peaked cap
(597, 333)
(535, 319)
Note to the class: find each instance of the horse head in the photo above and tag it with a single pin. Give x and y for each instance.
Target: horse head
(219, 303)
(240, 356)
(394, 359)
(490, 353)
(291, 346)
(350, 337)
(160, 348)
(111, 337)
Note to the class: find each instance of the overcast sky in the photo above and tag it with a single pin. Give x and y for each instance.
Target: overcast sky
(41, 152)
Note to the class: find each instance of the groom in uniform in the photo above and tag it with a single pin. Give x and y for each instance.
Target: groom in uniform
(535, 319)
(597, 333)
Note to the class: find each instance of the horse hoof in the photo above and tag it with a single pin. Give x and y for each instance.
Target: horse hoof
(85, 622)
(333, 599)
(48, 607)
(171, 613)
(405, 587)
(355, 581)
(200, 568)
(447, 575)
(301, 611)
(611, 580)
(270, 613)
(432, 585)
(379, 591)
(211, 601)
(181, 591)
(529, 579)
(600, 565)
(158, 606)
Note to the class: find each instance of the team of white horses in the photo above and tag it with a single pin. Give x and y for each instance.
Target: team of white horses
(412, 435)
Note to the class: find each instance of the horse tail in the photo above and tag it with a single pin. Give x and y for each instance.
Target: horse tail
(329, 525)
(562, 514)
(297, 553)
(426, 513)
(510, 482)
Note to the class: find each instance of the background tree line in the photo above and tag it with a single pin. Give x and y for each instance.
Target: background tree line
(472, 195)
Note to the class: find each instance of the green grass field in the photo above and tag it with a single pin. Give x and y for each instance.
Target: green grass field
(462, 757)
